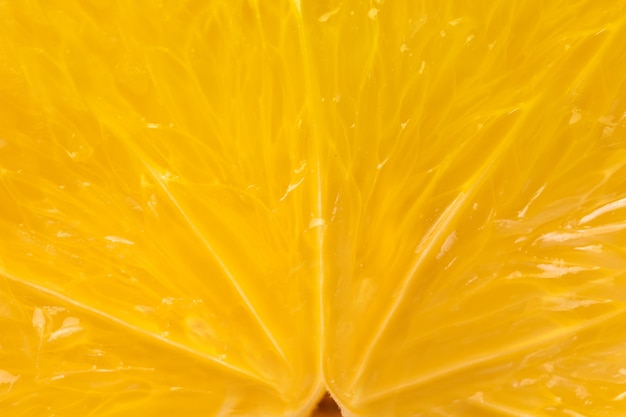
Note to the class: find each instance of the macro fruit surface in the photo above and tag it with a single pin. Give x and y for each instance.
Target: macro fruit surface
(230, 207)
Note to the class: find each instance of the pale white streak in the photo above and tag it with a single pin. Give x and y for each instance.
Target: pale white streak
(70, 326)
(316, 222)
(615, 205)
(590, 248)
(522, 212)
(559, 268)
(39, 321)
(382, 164)
(300, 168)
(447, 244)
(7, 378)
(576, 116)
(292, 187)
(118, 239)
(560, 237)
(555, 303)
(324, 18)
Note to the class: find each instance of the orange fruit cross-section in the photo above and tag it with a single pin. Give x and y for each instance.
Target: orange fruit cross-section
(231, 207)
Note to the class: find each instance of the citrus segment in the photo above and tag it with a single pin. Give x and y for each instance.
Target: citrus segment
(468, 276)
(155, 168)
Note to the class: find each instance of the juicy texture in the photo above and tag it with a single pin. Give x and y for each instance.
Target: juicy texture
(228, 207)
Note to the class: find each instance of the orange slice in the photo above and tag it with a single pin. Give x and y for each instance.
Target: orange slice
(231, 207)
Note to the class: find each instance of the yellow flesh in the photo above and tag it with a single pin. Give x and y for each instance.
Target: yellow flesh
(228, 207)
